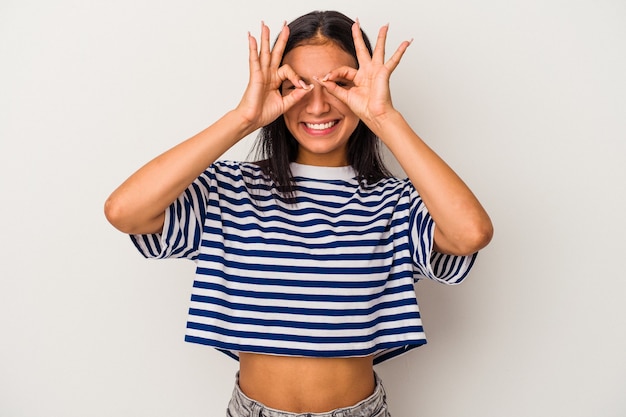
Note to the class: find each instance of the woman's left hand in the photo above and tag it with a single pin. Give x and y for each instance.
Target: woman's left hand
(367, 94)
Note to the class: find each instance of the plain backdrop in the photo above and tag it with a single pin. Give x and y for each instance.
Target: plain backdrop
(526, 100)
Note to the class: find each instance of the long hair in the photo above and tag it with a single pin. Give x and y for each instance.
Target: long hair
(276, 147)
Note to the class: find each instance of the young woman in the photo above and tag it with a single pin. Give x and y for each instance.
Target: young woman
(306, 259)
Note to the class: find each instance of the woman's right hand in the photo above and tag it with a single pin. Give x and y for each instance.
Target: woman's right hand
(262, 101)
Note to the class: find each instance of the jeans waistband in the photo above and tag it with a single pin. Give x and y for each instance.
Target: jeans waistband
(241, 405)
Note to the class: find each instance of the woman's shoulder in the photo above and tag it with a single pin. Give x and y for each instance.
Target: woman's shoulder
(236, 172)
(388, 184)
(233, 166)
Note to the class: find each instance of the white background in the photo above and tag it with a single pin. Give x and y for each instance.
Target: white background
(525, 99)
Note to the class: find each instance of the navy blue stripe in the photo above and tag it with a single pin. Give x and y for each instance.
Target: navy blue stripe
(302, 233)
(229, 353)
(304, 283)
(385, 240)
(322, 269)
(329, 298)
(144, 245)
(302, 338)
(367, 255)
(232, 347)
(303, 325)
(241, 194)
(324, 312)
(358, 218)
(238, 195)
(247, 220)
(393, 352)
(299, 283)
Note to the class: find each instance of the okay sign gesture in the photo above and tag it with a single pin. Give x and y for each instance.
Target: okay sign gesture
(368, 96)
(262, 101)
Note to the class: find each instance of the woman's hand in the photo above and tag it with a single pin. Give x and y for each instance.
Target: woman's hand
(368, 96)
(262, 101)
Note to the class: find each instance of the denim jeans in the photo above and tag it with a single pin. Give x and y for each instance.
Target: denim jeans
(373, 406)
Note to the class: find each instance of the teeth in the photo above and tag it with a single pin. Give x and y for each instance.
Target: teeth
(320, 126)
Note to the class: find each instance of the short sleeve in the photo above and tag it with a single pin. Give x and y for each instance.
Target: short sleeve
(182, 227)
(444, 268)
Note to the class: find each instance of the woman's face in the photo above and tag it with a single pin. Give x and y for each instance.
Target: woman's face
(320, 123)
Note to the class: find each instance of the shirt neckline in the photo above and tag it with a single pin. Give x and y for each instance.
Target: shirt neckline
(322, 173)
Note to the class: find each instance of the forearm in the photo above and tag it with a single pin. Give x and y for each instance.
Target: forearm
(462, 224)
(138, 205)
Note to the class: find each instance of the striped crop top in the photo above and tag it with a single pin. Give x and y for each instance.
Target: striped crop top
(329, 276)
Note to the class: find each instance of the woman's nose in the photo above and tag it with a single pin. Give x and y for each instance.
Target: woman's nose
(317, 101)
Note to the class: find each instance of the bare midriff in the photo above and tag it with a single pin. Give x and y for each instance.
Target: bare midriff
(300, 384)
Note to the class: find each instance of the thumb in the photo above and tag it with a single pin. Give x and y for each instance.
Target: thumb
(296, 95)
(331, 84)
(334, 89)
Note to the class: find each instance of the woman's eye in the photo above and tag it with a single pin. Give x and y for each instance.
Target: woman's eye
(286, 88)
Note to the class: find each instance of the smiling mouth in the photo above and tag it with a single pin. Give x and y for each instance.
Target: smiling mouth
(321, 126)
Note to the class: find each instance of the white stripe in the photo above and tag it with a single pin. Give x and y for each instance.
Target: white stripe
(308, 318)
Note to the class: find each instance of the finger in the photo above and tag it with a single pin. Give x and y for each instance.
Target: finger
(279, 46)
(393, 62)
(362, 54)
(346, 73)
(299, 90)
(329, 81)
(287, 73)
(294, 96)
(332, 87)
(379, 50)
(265, 46)
(253, 55)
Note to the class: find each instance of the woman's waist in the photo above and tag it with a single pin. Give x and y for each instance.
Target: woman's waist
(306, 384)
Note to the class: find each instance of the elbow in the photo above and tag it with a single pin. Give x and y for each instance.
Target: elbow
(482, 237)
(114, 213)
(119, 217)
(130, 220)
(476, 238)
(473, 238)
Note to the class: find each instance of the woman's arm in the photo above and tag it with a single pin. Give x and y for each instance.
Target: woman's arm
(138, 205)
(462, 225)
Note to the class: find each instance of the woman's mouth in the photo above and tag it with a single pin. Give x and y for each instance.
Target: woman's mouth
(320, 128)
